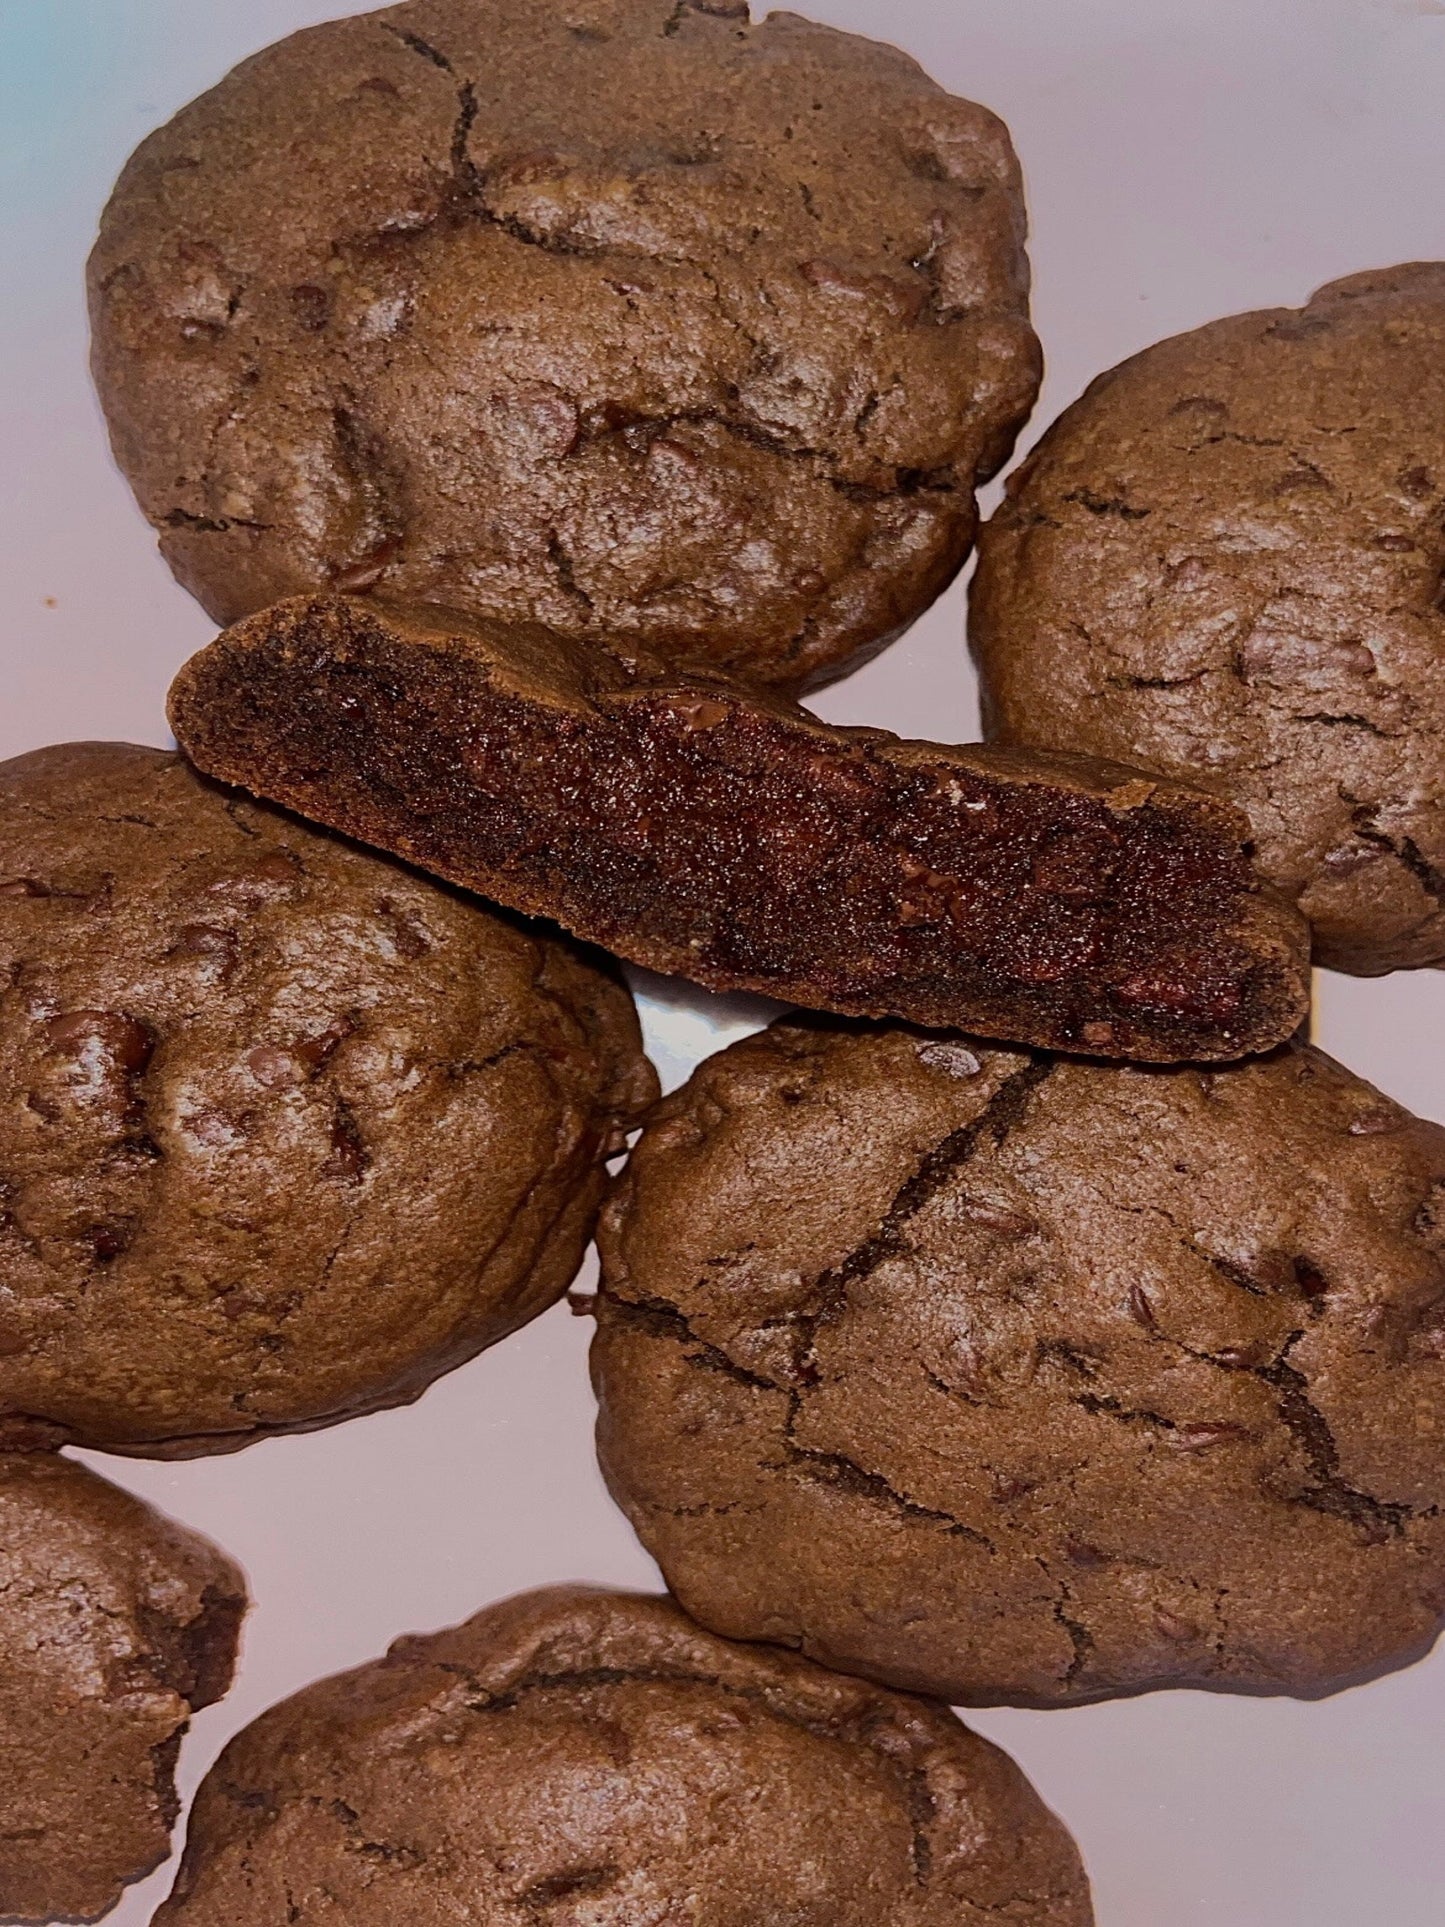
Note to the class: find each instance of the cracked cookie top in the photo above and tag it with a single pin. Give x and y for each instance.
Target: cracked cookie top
(574, 1755)
(1227, 562)
(625, 316)
(286, 1130)
(115, 1626)
(1015, 1378)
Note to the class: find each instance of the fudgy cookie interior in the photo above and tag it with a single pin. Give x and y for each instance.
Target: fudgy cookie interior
(732, 838)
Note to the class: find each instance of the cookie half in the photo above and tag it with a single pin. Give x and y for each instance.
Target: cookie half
(728, 836)
(1018, 1379)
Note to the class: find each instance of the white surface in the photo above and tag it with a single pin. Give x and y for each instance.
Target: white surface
(1184, 161)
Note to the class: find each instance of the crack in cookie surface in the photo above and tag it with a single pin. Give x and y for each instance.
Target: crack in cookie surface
(1153, 1358)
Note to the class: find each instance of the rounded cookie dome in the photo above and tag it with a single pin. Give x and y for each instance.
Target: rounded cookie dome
(627, 316)
(1013, 1378)
(595, 1756)
(286, 1130)
(1225, 562)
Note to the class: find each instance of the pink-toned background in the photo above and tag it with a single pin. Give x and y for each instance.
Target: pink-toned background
(1185, 158)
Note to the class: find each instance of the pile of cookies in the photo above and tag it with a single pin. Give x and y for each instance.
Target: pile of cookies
(546, 393)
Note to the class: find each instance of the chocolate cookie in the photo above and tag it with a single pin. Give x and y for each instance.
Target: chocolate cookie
(733, 838)
(1009, 1378)
(1225, 563)
(286, 1131)
(626, 316)
(588, 1756)
(115, 1626)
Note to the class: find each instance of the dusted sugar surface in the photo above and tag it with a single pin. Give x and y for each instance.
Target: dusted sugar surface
(627, 316)
(115, 1626)
(1227, 562)
(286, 1130)
(731, 838)
(580, 1756)
(1020, 1379)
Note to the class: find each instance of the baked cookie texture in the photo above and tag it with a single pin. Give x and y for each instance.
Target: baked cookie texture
(581, 1756)
(1018, 1379)
(728, 836)
(286, 1131)
(1225, 562)
(625, 316)
(115, 1626)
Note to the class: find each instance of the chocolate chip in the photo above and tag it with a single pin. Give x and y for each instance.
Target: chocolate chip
(1241, 1358)
(275, 1068)
(126, 1039)
(1295, 480)
(1098, 1036)
(209, 943)
(1184, 992)
(957, 1060)
(311, 306)
(315, 1052)
(1079, 1553)
(998, 1218)
(1347, 859)
(700, 712)
(1141, 1308)
(348, 1159)
(1310, 1279)
(108, 1241)
(903, 300)
(1080, 869)
(1201, 1437)
(407, 933)
(218, 1130)
(358, 577)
